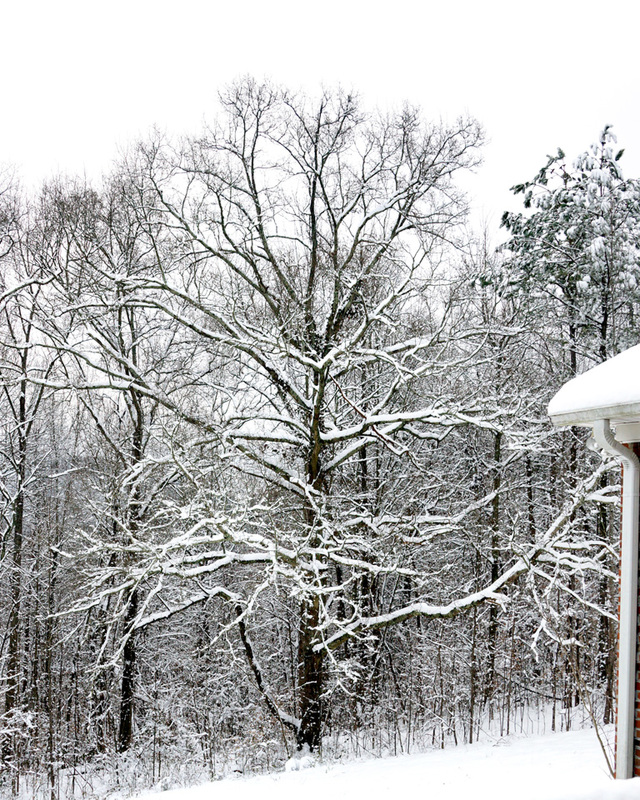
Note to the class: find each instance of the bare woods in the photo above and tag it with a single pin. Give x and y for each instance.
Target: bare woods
(275, 469)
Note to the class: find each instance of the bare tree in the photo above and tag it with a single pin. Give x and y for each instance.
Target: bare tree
(309, 240)
(299, 386)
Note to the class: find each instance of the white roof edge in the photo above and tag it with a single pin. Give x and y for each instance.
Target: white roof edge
(587, 416)
(610, 390)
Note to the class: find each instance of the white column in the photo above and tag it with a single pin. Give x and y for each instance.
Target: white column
(628, 597)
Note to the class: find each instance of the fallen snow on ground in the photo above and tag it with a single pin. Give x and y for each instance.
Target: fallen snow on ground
(560, 766)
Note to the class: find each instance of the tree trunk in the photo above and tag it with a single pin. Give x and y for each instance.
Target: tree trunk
(310, 677)
(125, 731)
(492, 628)
(17, 531)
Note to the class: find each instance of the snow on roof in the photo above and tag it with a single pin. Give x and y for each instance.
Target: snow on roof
(609, 391)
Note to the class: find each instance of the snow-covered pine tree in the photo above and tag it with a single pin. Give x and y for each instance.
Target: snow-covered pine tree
(574, 255)
(577, 246)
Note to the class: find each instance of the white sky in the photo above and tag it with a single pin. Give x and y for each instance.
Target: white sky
(80, 79)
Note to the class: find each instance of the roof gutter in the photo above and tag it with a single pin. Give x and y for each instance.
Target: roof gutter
(629, 598)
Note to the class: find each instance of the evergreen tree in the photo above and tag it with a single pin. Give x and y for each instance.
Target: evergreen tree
(578, 250)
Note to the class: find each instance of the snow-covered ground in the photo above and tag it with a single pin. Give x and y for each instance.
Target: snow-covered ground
(560, 766)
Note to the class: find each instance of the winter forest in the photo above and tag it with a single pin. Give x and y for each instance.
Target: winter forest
(276, 473)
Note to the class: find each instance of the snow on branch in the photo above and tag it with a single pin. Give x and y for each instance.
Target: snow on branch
(493, 593)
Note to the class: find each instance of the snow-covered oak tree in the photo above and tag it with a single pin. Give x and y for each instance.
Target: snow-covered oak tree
(296, 257)
(310, 237)
(310, 234)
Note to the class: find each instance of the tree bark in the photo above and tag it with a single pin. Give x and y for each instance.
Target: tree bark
(125, 731)
(310, 676)
(17, 531)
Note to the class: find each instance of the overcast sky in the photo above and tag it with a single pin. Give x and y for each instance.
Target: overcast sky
(82, 79)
